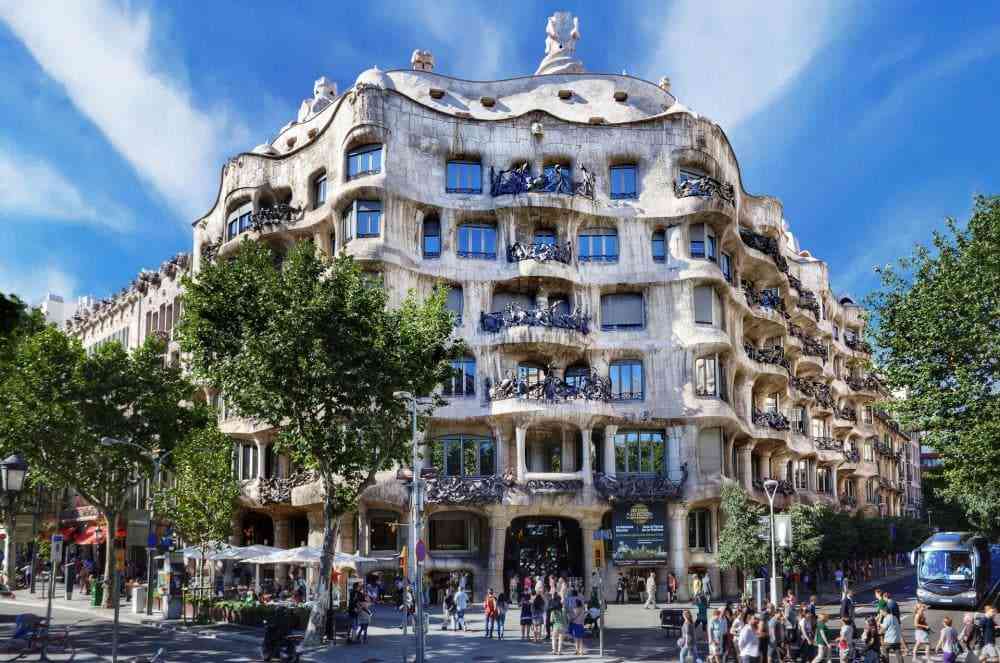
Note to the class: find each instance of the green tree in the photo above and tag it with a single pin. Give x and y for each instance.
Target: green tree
(739, 546)
(57, 403)
(309, 346)
(938, 328)
(840, 536)
(807, 538)
(942, 509)
(199, 503)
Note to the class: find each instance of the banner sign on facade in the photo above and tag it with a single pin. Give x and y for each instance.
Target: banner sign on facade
(640, 534)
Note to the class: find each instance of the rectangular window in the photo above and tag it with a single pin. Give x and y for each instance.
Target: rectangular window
(368, 215)
(477, 241)
(232, 229)
(702, 242)
(544, 238)
(836, 333)
(869, 414)
(799, 419)
(624, 182)
(449, 534)
(626, 381)
(705, 376)
(319, 191)
(640, 452)
(366, 160)
(623, 310)
(700, 530)
(771, 402)
(819, 428)
(726, 265)
(432, 238)
(659, 246)
(464, 177)
(456, 303)
(463, 381)
(703, 299)
(598, 245)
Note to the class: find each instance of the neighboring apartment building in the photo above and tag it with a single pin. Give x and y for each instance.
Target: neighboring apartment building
(640, 329)
(57, 310)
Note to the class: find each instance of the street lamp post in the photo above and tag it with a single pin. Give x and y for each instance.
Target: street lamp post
(416, 509)
(771, 489)
(12, 472)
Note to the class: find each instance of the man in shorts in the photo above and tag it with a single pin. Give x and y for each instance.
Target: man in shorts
(987, 630)
(892, 635)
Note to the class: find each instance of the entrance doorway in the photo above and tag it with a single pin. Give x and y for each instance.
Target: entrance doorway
(544, 546)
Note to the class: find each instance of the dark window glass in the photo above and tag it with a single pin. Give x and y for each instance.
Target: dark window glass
(477, 241)
(366, 160)
(368, 215)
(463, 381)
(659, 246)
(464, 177)
(530, 374)
(547, 237)
(456, 303)
(449, 534)
(726, 265)
(623, 182)
(464, 455)
(626, 381)
(432, 237)
(640, 452)
(575, 375)
(598, 245)
(382, 534)
(245, 223)
(233, 229)
(703, 305)
(319, 190)
(623, 310)
(700, 529)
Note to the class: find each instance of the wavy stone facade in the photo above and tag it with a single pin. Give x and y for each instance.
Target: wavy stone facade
(641, 328)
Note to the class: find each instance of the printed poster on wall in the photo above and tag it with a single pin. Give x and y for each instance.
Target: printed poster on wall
(640, 534)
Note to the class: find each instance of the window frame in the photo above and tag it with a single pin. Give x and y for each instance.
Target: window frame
(699, 523)
(446, 442)
(482, 227)
(631, 365)
(591, 234)
(623, 193)
(318, 189)
(362, 152)
(616, 326)
(467, 381)
(430, 221)
(659, 238)
(644, 447)
(461, 163)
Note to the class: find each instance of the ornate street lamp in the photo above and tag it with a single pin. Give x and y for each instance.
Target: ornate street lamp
(12, 472)
(771, 489)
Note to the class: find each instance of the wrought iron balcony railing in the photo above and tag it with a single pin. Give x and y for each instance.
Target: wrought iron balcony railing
(764, 299)
(784, 487)
(515, 315)
(855, 343)
(775, 355)
(704, 187)
(849, 501)
(639, 487)
(852, 455)
(468, 491)
(517, 252)
(828, 444)
(771, 419)
(810, 345)
(863, 383)
(275, 490)
(847, 413)
(818, 391)
(552, 180)
(592, 387)
(767, 245)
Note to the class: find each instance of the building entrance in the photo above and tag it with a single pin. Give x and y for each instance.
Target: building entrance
(543, 546)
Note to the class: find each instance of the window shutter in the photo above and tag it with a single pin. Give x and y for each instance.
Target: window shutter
(698, 232)
(455, 301)
(622, 309)
(703, 304)
(710, 451)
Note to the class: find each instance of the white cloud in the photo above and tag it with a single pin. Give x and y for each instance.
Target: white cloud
(33, 284)
(101, 53)
(34, 188)
(730, 60)
(474, 42)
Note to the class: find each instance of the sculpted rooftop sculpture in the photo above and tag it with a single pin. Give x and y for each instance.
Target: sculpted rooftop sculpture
(561, 34)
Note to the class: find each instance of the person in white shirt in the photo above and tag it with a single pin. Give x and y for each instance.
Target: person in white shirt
(650, 591)
(749, 643)
(461, 603)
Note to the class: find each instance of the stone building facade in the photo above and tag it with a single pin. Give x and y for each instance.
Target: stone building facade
(641, 329)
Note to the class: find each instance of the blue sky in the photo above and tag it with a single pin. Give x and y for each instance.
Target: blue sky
(870, 121)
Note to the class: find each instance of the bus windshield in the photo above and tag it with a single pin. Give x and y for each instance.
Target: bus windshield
(947, 565)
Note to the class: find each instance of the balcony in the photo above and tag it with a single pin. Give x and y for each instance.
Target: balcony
(775, 356)
(640, 487)
(515, 315)
(810, 346)
(784, 487)
(277, 490)
(767, 300)
(809, 303)
(593, 387)
(828, 444)
(766, 245)
(849, 501)
(852, 456)
(563, 253)
(847, 413)
(704, 187)
(814, 389)
(770, 419)
(855, 343)
(883, 448)
(864, 383)
(467, 491)
(555, 179)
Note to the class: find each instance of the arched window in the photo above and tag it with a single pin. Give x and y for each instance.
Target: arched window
(364, 160)
(598, 245)
(659, 246)
(432, 237)
(476, 240)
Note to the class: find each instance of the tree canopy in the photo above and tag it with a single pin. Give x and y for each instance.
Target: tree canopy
(938, 331)
(310, 346)
(739, 547)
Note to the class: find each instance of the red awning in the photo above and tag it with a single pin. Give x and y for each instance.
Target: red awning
(90, 536)
(68, 534)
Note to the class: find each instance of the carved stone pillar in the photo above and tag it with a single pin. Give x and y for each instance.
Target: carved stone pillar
(587, 529)
(746, 474)
(262, 444)
(609, 450)
(498, 540)
(282, 531)
(566, 451)
(520, 432)
(501, 449)
(713, 570)
(586, 464)
(677, 513)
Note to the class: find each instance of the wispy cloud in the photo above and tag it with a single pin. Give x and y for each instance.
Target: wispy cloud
(34, 189)
(32, 284)
(101, 53)
(460, 29)
(730, 60)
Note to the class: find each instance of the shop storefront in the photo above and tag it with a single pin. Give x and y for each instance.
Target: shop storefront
(543, 546)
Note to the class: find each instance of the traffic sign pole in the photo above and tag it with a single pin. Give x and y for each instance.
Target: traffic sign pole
(55, 558)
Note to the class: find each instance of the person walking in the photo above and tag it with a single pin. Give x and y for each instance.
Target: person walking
(620, 590)
(364, 619)
(537, 615)
(447, 609)
(846, 641)
(807, 635)
(716, 634)
(838, 577)
(987, 631)
(706, 585)
(763, 637)
(576, 619)
(671, 587)
(461, 605)
(490, 613)
(947, 642)
(557, 619)
(823, 639)
(686, 641)
(526, 619)
(701, 602)
(847, 606)
(406, 607)
(650, 592)
(921, 633)
(775, 636)
(503, 604)
(695, 584)
(968, 637)
(892, 635)
(749, 642)
(512, 587)
(873, 642)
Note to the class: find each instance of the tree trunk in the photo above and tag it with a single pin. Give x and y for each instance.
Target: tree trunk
(316, 628)
(9, 563)
(110, 559)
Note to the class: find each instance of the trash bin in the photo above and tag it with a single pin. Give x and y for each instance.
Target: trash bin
(139, 600)
(96, 593)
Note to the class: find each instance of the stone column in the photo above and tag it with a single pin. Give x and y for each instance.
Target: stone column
(566, 451)
(501, 449)
(262, 445)
(714, 571)
(587, 529)
(282, 532)
(609, 450)
(677, 514)
(520, 432)
(586, 464)
(498, 539)
(746, 458)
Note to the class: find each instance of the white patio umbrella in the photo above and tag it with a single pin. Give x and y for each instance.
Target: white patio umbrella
(195, 552)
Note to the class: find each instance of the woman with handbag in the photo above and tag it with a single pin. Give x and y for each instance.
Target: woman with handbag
(686, 641)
